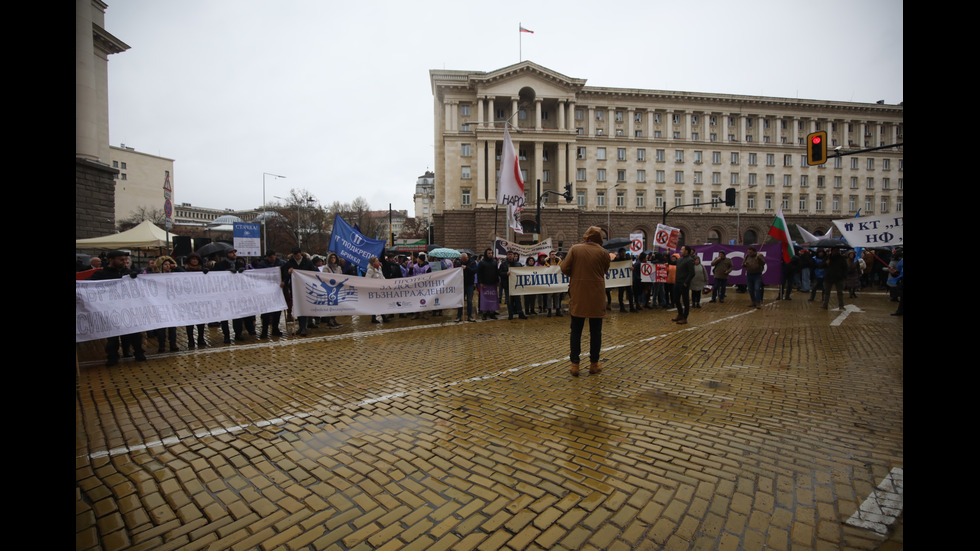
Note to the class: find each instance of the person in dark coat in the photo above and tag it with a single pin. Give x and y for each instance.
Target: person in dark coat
(297, 262)
(231, 263)
(833, 277)
(488, 277)
(272, 319)
(469, 283)
(682, 284)
(116, 267)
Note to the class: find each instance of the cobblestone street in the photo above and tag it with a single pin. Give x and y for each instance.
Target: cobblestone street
(745, 429)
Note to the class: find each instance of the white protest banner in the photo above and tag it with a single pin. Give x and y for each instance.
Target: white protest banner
(884, 230)
(636, 244)
(648, 272)
(501, 246)
(534, 280)
(113, 307)
(329, 294)
(666, 237)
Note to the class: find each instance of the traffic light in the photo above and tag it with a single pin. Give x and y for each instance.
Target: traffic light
(568, 192)
(730, 197)
(816, 148)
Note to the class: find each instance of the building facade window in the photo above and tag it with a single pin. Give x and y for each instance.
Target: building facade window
(466, 197)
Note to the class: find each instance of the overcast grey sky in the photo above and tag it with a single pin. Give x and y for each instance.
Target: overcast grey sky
(336, 96)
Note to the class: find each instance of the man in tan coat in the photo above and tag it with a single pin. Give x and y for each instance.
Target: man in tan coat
(586, 266)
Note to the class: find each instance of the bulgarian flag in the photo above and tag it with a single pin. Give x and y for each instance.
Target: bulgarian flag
(780, 231)
(523, 30)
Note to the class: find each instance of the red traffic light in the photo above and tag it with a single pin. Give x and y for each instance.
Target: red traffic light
(817, 150)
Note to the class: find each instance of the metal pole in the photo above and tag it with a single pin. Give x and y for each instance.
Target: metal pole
(265, 246)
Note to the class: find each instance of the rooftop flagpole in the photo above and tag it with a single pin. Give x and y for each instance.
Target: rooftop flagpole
(520, 31)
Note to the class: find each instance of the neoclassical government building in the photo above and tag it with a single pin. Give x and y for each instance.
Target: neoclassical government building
(633, 155)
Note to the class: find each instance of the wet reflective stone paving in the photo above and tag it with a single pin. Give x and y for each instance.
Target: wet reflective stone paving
(745, 429)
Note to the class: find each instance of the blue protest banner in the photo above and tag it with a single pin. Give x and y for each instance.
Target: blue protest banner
(353, 245)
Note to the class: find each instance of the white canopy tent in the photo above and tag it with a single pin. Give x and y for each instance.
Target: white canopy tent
(145, 235)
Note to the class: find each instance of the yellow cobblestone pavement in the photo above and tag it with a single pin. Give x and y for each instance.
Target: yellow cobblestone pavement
(745, 429)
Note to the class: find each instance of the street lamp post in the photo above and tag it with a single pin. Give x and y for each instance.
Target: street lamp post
(264, 211)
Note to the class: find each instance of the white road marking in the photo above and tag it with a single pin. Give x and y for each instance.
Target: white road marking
(882, 507)
(848, 309)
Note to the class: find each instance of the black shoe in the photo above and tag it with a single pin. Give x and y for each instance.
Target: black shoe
(115, 361)
(140, 357)
(510, 317)
(201, 343)
(276, 333)
(493, 315)
(264, 335)
(558, 313)
(523, 317)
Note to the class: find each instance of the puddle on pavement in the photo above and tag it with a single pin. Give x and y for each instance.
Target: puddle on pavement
(329, 436)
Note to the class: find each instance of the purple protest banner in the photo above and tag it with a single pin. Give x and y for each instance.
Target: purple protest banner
(772, 252)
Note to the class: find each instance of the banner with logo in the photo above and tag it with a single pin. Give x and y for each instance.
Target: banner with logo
(353, 245)
(247, 238)
(535, 280)
(885, 230)
(636, 244)
(666, 237)
(501, 246)
(328, 294)
(113, 307)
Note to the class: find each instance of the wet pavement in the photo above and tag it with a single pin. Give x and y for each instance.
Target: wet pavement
(772, 428)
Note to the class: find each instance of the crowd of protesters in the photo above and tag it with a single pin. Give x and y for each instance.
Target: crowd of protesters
(486, 285)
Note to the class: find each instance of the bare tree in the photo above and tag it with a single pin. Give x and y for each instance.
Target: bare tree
(414, 228)
(301, 221)
(154, 215)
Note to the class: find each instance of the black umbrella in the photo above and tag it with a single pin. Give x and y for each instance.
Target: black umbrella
(213, 248)
(829, 243)
(617, 243)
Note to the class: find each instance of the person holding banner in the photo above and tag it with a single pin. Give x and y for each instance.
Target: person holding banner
(553, 260)
(194, 264)
(118, 266)
(298, 262)
(513, 301)
(721, 266)
(272, 319)
(488, 277)
(586, 266)
(469, 281)
(754, 264)
(241, 326)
